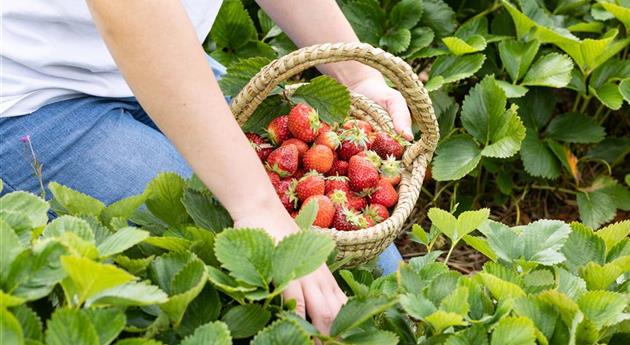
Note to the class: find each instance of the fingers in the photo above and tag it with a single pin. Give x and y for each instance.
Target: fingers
(397, 107)
(322, 309)
(294, 291)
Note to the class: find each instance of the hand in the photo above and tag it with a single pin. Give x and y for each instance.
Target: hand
(316, 293)
(375, 88)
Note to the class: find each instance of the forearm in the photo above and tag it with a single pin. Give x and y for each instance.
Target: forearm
(309, 22)
(156, 49)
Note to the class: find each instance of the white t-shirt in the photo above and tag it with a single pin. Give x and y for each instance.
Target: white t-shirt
(50, 50)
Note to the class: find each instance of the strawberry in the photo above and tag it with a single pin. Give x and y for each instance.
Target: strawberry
(283, 160)
(390, 170)
(363, 125)
(324, 127)
(337, 182)
(274, 178)
(278, 130)
(319, 158)
(263, 148)
(294, 214)
(369, 222)
(325, 211)
(376, 212)
(309, 185)
(338, 197)
(356, 202)
(301, 146)
(347, 199)
(339, 168)
(386, 145)
(348, 220)
(362, 174)
(304, 122)
(299, 173)
(371, 156)
(353, 141)
(329, 138)
(286, 195)
(384, 194)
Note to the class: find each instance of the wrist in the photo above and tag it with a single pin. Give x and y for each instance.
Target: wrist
(350, 73)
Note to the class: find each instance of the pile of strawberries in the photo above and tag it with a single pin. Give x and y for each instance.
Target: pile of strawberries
(350, 170)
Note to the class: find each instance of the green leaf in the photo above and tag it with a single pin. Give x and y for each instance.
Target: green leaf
(538, 159)
(506, 140)
(458, 46)
(246, 320)
(612, 150)
(367, 19)
(108, 323)
(483, 109)
(307, 215)
(206, 211)
(327, 96)
(121, 240)
(439, 16)
(609, 94)
(417, 306)
(170, 243)
(129, 294)
(268, 110)
(138, 341)
(583, 246)
(205, 308)
(63, 224)
(240, 73)
(70, 326)
(465, 223)
(514, 331)
(10, 247)
(164, 194)
(10, 330)
(455, 158)
(543, 315)
(406, 13)
(575, 128)
(614, 234)
(358, 310)
(536, 107)
(7, 300)
(32, 207)
(213, 333)
(570, 284)
(247, 254)
(612, 70)
(88, 278)
(185, 286)
(517, 56)
(396, 41)
(122, 208)
(553, 70)
(454, 68)
(298, 255)
(372, 337)
(500, 289)
(456, 302)
(598, 203)
(249, 49)
(481, 245)
(624, 89)
(512, 90)
(620, 12)
(282, 332)
(599, 277)
(30, 323)
(233, 27)
(421, 37)
(73, 202)
(441, 320)
(592, 27)
(603, 308)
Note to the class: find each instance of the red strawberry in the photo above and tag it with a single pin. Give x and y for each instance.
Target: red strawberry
(263, 148)
(286, 195)
(363, 125)
(348, 220)
(390, 170)
(324, 127)
(283, 160)
(376, 212)
(294, 214)
(329, 138)
(356, 202)
(385, 194)
(325, 211)
(299, 174)
(353, 141)
(339, 168)
(347, 199)
(337, 182)
(386, 145)
(309, 185)
(278, 130)
(319, 158)
(369, 222)
(274, 178)
(304, 122)
(371, 156)
(362, 174)
(301, 146)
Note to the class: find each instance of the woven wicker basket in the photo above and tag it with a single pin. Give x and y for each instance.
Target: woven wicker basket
(361, 245)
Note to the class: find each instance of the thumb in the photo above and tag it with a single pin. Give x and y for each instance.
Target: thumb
(397, 108)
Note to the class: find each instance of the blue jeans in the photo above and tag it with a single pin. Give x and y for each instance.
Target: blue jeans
(105, 147)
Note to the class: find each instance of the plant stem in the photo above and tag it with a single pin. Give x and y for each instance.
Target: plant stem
(587, 99)
(557, 189)
(485, 12)
(576, 103)
(450, 251)
(598, 113)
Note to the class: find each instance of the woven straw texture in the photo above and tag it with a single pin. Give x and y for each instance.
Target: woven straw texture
(361, 245)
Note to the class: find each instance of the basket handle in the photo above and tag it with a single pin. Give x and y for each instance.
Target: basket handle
(392, 67)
